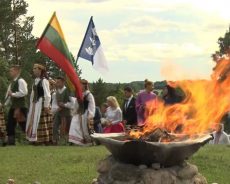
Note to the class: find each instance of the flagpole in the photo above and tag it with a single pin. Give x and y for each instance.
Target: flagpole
(77, 59)
(91, 18)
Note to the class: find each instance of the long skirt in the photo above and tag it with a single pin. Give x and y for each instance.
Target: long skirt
(79, 133)
(117, 128)
(2, 125)
(39, 124)
(45, 128)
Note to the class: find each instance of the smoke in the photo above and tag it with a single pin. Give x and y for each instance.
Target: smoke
(173, 71)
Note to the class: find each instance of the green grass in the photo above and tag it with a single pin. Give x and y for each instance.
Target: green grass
(214, 163)
(50, 165)
(77, 165)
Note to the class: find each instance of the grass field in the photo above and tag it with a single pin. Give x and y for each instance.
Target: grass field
(77, 165)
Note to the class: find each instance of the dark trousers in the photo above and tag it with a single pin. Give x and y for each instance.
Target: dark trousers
(59, 128)
(11, 124)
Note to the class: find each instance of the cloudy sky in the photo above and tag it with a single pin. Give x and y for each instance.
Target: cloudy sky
(154, 39)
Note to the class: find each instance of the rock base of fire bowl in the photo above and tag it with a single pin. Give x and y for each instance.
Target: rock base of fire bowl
(114, 172)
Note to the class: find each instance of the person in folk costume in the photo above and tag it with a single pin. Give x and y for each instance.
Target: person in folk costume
(16, 99)
(52, 84)
(2, 126)
(113, 117)
(53, 90)
(143, 98)
(62, 114)
(83, 117)
(39, 122)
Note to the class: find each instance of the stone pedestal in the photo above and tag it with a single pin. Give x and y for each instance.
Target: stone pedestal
(114, 172)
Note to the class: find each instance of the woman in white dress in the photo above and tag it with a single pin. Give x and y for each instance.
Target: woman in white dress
(82, 116)
(113, 117)
(39, 121)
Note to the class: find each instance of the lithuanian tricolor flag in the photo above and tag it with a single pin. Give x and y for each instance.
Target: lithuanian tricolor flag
(52, 43)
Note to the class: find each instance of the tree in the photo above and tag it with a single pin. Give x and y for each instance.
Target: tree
(76, 66)
(219, 58)
(3, 78)
(6, 28)
(16, 40)
(100, 91)
(17, 44)
(222, 68)
(224, 47)
(224, 43)
(118, 93)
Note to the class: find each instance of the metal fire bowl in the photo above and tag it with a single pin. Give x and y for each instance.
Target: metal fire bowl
(143, 152)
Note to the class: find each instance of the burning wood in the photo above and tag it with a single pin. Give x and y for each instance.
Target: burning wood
(159, 135)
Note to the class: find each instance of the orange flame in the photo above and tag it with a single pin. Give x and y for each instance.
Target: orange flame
(205, 103)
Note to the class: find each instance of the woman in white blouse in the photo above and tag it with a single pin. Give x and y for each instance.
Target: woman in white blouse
(79, 128)
(113, 117)
(39, 121)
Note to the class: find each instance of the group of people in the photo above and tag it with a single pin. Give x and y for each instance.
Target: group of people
(54, 114)
(36, 121)
(110, 117)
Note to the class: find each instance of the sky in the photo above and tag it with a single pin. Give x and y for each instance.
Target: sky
(141, 39)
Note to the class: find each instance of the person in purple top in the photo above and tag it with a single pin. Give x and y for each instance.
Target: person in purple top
(143, 97)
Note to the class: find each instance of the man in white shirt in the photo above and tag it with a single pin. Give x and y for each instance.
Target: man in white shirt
(16, 99)
(220, 137)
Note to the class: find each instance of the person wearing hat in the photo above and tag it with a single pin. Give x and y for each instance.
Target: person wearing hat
(16, 99)
(62, 114)
(39, 122)
(83, 117)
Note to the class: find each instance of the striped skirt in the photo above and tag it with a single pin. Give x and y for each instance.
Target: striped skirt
(45, 128)
(2, 125)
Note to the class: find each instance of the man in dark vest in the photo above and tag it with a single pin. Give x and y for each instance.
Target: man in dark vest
(129, 110)
(62, 115)
(16, 98)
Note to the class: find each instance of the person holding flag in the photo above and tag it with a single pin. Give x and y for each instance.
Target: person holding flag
(62, 115)
(52, 43)
(83, 117)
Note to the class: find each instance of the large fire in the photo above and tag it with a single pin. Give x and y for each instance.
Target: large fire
(206, 101)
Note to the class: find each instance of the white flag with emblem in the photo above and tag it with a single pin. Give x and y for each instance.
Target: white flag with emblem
(91, 49)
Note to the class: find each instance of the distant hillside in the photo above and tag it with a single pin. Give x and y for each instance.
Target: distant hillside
(136, 85)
